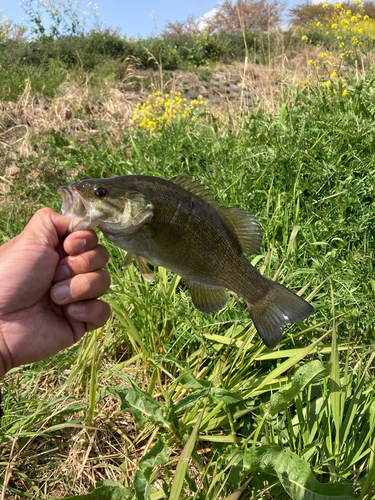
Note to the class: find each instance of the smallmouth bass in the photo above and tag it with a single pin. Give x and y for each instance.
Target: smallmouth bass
(178, 224)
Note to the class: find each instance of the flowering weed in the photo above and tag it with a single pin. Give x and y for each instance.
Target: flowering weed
(160, 109)
(351, 34)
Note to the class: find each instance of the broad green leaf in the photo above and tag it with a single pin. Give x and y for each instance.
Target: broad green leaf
(305, 375)
(190, 400)
(224, 395)
(217, 392)
(142, 405)
(106, 490)
(189, 381)
(294, 474)
(156, 456)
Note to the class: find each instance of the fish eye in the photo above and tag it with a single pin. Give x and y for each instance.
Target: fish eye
(100, 192)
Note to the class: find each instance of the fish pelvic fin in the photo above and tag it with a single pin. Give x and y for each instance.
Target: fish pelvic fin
(128, 260)
(145, 271)
(279, 308)
(208, 298)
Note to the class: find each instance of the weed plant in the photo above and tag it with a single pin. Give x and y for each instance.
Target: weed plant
(171, 403)
(161, 109)
(351, 34)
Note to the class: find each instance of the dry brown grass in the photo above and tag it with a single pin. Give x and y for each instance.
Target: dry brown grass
(76, 111)
(81, 454)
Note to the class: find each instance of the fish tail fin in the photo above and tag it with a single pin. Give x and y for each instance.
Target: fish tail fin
(278, 308)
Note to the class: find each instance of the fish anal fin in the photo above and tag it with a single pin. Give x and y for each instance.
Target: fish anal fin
(208, 298)
(245, 227)
(146, 272)
(195, 188)
(128, 260)
(279, 308)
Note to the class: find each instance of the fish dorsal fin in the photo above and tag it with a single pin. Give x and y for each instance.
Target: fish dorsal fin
(208, 298)
(195, 188)
(244, 226)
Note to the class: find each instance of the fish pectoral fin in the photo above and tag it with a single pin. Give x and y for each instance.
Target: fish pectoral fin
(128, 260)
(207, 298)
(146, 272)
(245, 227)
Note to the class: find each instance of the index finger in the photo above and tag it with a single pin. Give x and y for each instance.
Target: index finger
(80, 241)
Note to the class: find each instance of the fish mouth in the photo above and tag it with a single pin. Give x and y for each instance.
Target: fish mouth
(77, 208)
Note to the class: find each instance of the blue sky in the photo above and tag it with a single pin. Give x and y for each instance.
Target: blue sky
(132, 16)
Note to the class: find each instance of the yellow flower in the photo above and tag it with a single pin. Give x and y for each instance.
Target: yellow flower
(360, 31)
(322, 54)
(333, 74)
(359, 16)
(334, 26)
(337, 6)
(342, 55)
(353, 18)
(366, 18)
(342, 44)
(304, 37)
(325, 6)
(344, 92)
(310, 62)
(339, 37)
(349, 12)
(318, 24)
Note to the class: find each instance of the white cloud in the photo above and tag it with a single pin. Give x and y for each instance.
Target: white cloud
(201, 23)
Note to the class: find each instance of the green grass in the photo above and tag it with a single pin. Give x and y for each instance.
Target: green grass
(178, 404)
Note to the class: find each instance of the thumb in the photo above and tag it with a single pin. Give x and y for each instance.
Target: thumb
(47, 226)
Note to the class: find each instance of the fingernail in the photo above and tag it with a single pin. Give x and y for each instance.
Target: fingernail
(62, 273)
(77, 245)
(61, 292)
(77, 309)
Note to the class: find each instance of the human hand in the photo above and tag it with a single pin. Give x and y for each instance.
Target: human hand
(49, 289)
